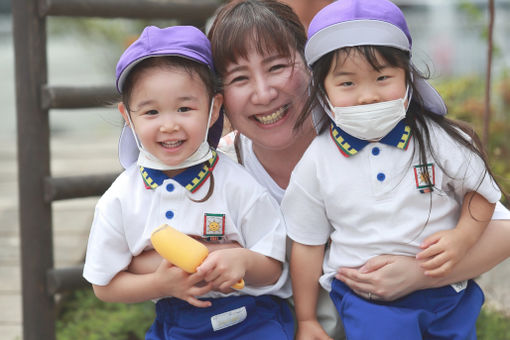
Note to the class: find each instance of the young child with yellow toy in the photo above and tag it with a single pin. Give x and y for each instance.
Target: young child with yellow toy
(173, 176)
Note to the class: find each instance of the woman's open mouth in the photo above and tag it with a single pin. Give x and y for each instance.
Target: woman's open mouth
(272, 117)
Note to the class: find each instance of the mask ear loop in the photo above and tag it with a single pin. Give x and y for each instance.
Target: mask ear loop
(132, 127)
(209, 119)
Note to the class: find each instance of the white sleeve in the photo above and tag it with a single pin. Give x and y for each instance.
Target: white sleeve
(108, 252)
(263, 227)
(302, 207)
(501, 212)
(466, 170)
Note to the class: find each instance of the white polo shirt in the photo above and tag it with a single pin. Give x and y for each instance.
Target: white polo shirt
(141, 200)
(371, 199)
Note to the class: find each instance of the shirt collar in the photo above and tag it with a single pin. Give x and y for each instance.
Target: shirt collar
(348, 145)
(192, 178)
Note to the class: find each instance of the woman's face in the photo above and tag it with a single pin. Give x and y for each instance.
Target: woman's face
(264, 95)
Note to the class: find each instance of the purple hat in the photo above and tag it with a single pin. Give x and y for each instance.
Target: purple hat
(348, 23)
(181, 41)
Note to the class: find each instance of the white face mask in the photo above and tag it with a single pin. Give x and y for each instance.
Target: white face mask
(370, 121)
(201, 154)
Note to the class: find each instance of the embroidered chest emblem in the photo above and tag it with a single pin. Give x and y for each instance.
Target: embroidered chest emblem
(214, 227)
(425, 177)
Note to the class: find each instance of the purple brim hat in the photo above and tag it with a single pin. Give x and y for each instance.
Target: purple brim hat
(180, 41)
(348, 23)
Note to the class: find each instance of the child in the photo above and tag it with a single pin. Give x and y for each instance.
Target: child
(168, 103)
(389, 174)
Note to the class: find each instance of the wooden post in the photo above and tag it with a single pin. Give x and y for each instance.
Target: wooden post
(33, 166)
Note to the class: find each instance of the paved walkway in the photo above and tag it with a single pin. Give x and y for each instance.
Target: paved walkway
(75, 156)
(71, 218)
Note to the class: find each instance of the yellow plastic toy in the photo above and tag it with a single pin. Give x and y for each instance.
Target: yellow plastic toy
(181, 250)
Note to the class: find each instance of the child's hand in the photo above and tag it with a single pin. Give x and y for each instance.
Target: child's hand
(223, 268)
(171, 280)
(311, 330)
(442, 251)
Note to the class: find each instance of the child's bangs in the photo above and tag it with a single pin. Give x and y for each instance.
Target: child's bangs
(377, 56)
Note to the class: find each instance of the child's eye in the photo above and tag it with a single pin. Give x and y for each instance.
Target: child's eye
(346, 83)
(381, 78)
(184, 109)
(151, 112)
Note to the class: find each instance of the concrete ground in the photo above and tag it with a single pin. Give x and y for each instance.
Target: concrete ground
(71, 156)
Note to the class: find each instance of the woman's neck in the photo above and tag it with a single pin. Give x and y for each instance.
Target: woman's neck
(280, 163)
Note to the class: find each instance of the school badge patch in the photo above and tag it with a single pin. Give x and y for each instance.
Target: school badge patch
(425, 178)
(214, 227)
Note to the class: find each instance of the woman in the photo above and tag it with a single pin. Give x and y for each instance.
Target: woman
(258, 53)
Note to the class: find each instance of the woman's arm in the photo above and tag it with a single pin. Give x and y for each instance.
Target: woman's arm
(389, 277)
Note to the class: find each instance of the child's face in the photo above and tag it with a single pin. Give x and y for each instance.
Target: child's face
(353, 81)
(169, 111)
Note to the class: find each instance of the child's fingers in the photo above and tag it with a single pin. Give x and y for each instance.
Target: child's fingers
(440, 271)
(429, 252)
(434, 262)
(427, 242)
(198, 303)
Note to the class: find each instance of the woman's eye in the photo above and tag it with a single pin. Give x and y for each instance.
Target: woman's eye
(184, 109)
(237, 79)
(277, 67)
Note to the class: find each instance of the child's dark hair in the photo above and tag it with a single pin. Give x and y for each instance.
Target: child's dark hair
(273, 25)
(173, 62)
(417, 114)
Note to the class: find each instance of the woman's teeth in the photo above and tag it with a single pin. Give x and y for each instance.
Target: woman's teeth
(171, 144)
(273, 117)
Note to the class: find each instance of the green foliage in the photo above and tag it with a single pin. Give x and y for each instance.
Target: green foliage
(492, 325)
(465, 100)
(83, 316)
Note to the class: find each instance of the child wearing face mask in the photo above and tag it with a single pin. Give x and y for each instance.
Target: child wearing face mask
(388, 174)
(173, 176)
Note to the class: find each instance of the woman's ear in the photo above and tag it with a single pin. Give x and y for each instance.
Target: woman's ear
(218, 102)
(124, 112)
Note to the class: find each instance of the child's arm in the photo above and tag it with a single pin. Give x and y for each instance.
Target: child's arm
(223, 268)
(305, 270)
(167, 280)
(148, 261)
(442, 250)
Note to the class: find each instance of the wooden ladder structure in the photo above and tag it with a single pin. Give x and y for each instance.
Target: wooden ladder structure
(34, 98)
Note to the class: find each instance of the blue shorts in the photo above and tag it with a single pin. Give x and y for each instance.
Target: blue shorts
(438, 313)
(236, 317)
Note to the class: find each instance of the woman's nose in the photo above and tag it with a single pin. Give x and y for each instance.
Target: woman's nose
(263, 91)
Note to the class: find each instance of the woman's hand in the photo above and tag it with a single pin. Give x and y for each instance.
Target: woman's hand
(386, 277)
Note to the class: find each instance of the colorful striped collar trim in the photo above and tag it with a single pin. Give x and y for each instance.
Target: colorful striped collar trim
(348, 145)
(191, 179)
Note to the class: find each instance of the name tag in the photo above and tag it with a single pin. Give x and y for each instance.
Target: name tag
(227, 319)
(459, 286)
